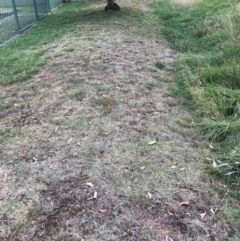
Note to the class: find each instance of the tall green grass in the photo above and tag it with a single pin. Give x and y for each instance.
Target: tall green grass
(207, 35)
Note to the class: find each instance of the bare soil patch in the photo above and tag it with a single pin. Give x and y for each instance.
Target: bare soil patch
(73, 207)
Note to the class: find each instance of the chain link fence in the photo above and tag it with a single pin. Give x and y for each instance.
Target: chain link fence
(55, 3)
(16, 15)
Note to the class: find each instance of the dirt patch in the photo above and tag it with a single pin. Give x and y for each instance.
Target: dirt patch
(74, 208)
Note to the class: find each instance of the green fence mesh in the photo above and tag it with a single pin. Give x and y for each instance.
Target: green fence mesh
(25, 13)
(7, 22)
(42, 8)
(16, 15)
(55, 3)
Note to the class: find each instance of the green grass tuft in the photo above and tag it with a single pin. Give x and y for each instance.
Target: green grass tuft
(7, 132)
(160, 65)
(78, 94)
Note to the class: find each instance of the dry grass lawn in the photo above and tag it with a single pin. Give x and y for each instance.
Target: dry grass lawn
(97, 148)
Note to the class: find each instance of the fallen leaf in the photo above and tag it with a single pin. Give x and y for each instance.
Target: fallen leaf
(69, 140)
(212, 211)
(222, 185)
(202, 215)
(105, 134)
(170, 213)
(152, 143)
(229, 173)
(94, 196)
(89, 184)
(223, 165)
(179, 191)
(168, 238)
(102, 211)
(214, 164)
(35, 159)
(149, 195)
(184, 203)
(209, 159)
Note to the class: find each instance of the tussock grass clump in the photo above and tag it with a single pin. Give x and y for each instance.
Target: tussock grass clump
(208, 70)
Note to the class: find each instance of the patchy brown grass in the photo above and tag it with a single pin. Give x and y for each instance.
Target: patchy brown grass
(90, 116)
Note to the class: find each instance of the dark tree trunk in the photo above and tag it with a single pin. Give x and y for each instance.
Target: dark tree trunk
(111, 5)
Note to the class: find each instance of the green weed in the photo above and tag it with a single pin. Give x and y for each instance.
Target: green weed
(104, 88)
(7, 132)
(69, 49)
(160, 65)
(11, 206)
(4, 106)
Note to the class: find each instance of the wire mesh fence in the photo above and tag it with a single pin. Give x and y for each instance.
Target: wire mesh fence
(16, 15)
(55, 3)
(7, 22)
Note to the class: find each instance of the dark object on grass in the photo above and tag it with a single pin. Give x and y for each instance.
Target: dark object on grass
(111, 5)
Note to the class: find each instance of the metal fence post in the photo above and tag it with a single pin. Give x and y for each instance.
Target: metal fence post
(15, 16)
(35, 8)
